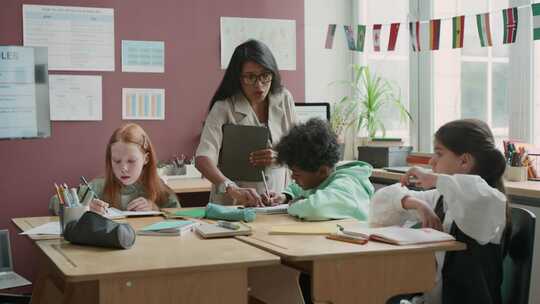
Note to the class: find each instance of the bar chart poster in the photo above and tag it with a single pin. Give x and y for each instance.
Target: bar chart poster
(143, 104)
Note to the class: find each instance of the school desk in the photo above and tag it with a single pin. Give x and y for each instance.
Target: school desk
(156, 269)
(350, 273)
(527, 189)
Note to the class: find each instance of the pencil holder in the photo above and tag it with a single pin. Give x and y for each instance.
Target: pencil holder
(515, 174)
(71, 214)
(181, 170)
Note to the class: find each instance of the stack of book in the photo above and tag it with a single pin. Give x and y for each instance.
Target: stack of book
(167, 228)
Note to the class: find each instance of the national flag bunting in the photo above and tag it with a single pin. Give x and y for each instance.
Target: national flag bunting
(377, 37)
(350, 38)
(434, 34)
(360, 37)
(394, 30)
(414, 32)
(330, 36)
(510, 21)
(458, 30)
(484, 29)
(536, 20)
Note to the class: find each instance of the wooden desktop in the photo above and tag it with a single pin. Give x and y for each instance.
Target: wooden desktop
(351, 273)
(154, 270)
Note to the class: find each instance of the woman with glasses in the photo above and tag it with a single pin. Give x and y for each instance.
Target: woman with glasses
(249, 94)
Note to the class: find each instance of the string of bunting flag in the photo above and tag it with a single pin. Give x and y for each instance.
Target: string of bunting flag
(483, 27)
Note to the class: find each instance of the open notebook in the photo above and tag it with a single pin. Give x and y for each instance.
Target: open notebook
(278, 209)
(400, 235)
(113, 213)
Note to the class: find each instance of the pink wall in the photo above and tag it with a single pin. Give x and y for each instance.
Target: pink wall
(190, 29)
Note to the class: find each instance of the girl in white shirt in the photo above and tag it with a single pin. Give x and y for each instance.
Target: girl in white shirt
(466, 200)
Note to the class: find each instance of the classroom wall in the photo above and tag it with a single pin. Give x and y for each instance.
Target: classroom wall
(190, 29)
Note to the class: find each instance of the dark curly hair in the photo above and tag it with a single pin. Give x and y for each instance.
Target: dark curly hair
(309, 146)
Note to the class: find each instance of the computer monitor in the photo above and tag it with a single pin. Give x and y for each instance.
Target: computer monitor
(307, 110)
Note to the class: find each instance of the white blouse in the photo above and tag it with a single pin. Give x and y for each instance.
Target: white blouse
(478, 209)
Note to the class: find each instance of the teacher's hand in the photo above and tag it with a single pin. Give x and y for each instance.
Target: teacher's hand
(263, 158)
(245, 196)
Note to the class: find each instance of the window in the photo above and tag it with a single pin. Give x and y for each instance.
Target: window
(471, 82)
(494, 84)
(391, 65)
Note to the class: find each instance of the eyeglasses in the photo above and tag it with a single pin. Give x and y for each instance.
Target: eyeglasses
(251, 79)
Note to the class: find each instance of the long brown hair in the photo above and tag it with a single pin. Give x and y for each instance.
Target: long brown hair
(473, 136)
(156, 191)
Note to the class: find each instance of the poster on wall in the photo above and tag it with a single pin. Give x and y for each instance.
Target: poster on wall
(143, 56)
(75, 97)
(278, 34)
(17, 93)
(143, 104)
(78, 38)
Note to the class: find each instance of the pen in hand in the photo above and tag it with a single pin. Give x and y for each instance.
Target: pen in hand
(266, 186)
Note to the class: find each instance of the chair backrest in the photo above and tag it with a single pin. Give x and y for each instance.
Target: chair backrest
(517, 264)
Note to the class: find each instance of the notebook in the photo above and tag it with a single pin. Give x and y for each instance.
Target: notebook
(323, 228)
(400, 235)
(238, 142)
(8, 277)
(214, 231)
(278, 209)
(187, 213)
(167, 228)
(113, 213)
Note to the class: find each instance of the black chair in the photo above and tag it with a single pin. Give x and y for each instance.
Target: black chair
(517, 264)
(7, 298)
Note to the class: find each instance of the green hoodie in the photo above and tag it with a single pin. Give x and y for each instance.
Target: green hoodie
(344, 194)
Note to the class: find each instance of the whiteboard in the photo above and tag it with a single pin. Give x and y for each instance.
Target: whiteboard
(279, 35)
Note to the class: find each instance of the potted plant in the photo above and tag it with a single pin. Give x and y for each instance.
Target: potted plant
(362, 109)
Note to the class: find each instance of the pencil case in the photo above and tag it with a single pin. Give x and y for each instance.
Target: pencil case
(95, 230)
(218, 212)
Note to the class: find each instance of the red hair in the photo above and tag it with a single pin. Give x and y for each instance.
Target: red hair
(156, 191)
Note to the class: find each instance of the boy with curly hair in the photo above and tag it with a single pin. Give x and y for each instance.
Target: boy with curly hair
(321, 190)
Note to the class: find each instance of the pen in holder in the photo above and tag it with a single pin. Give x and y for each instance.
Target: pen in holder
(70, 214)
(516, 174)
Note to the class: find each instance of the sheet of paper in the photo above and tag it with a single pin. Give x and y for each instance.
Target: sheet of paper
(75, 97)
(17, 92)
(143, 56)
(143, 104)
(116, 213)
(48, 228)
(279, 35)
(78, 38)
(273, 209)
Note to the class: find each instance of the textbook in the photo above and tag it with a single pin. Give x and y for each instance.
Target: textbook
(238, 143)
(214, 230)
(167, 228)
(400, 235)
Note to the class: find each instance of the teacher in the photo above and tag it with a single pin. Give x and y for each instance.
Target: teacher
(250, 94)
